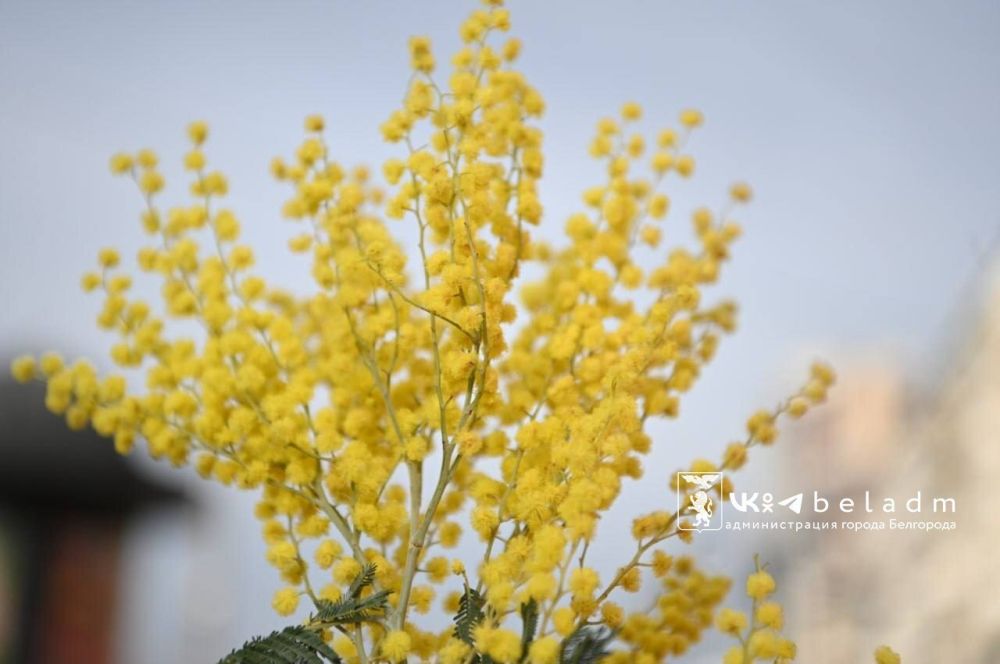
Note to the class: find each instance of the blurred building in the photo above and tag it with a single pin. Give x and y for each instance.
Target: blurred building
(929, 594)
(66, 500)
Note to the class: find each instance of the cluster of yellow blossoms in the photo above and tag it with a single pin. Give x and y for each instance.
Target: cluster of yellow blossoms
(395, 407)
(760, 634)
(760, 638)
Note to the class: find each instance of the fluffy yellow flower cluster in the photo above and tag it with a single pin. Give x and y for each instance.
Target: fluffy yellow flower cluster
(760, 634)
(760, 637)
(395, 408)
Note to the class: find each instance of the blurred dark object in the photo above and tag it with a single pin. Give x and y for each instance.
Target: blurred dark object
(65, 500)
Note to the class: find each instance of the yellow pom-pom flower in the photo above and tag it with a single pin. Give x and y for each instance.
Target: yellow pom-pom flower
(396, 645)
(286, 601)
(24, 369)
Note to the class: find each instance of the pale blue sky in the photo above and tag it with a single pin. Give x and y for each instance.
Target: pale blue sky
(868, 129)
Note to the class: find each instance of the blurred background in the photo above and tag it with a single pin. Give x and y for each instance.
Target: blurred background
(868, 131)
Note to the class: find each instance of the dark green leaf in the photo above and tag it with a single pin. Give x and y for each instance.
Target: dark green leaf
(362, 581)
(529, 624)
(304, 645)
(586, 645)
(292, 645)
(352, 608)
(470, 614)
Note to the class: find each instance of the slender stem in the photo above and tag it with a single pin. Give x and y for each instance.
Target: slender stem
(418, 540)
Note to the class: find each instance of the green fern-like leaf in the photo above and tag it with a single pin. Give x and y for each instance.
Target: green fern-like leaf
(529, 625)
(352, 608)
(363, 580)
(293, 645)
(586, 645)
(301, 644)
(470, 614)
